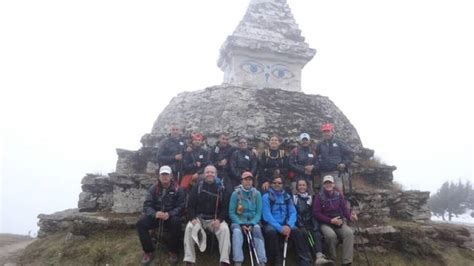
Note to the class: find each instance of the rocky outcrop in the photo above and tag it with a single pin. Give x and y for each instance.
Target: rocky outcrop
(118, 193)
(251, 113)
(381, 205)
(83, 223)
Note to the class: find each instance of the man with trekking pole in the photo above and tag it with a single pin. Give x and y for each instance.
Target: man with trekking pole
(279, 214)
(245, 212)
(163, 207)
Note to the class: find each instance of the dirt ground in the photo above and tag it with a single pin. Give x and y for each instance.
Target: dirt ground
(11, 246)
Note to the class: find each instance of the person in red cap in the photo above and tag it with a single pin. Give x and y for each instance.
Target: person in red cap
(334, 156)
(194, 160)
(245, 212)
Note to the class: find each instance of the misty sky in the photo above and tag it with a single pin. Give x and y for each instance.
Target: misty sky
(81, 78)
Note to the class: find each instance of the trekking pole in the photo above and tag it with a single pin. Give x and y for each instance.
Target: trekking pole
(215, 218)
(160, 231)
(253, 247)
(250, 247)
(285, 247)
(362, 241)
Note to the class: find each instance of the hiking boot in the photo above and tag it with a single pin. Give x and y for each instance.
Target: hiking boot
(173, 258)
(224, 264)
(321, 260)
(189, 263)
(148, 258)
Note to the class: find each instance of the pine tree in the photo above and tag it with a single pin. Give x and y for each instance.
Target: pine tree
(452, 199)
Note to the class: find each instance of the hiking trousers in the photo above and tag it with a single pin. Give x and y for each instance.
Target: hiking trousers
(331, 236)
(222, 235)
(172, 226)
(238, 241)
(274, 244)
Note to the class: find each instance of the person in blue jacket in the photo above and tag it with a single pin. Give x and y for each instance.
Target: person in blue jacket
(279, 214)
(245, 211)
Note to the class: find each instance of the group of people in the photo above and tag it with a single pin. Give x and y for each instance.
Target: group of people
(268, 200)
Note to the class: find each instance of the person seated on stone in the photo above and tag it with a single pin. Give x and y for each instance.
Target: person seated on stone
(245, 212)
(306, 221)
(242, 159)
(194, 160)
(273, 162)
(219, 156)
(303, 163)
(163, 206)
(170, 151)
(334, 156)
(207, 209)
(279, 215)
(331, 210)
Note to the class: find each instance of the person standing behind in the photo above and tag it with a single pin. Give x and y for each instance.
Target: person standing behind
(170, 151)
(279, 213)
(245, 212)
(302, 161)
(243, 159)
(334, 156)
(194, 160)
(273, 162)
(164, 205)
(207, 208)
(330, 209)
(219, 156)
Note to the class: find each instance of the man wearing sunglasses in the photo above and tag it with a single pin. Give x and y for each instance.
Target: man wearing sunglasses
(279, 214)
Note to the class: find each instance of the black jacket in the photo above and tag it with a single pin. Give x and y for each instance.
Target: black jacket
(191, 158)
(171, 200)
(168, 149)
(304, 210)
(202, 201)
(270, 161)
(331, 153)
(301, 157)
(242, 160)
(217, 154)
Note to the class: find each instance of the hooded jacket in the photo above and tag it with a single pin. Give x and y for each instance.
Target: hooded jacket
(251, 206)
(278, 209)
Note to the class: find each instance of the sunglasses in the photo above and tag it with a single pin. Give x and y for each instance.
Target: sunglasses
(277, 183)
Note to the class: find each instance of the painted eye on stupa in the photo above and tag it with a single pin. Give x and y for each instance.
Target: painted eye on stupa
(282, 72)
(252, 67)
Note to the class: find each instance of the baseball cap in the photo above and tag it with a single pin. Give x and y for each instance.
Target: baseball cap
(304, 136)
(328, 178)
(327, 127)
(165, 169)
(246, 174)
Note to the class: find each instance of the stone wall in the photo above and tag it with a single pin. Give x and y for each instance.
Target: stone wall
(118, 193)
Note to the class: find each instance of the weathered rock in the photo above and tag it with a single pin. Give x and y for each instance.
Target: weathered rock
(71, 238)
(251, 113)
(412, 205)
(83, 223)
(96, 193)
(129, 192)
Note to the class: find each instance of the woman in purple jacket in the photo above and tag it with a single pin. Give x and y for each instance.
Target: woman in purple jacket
(330, 209)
